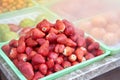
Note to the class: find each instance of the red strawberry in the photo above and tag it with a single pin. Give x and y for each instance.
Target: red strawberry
(37, 59)
(50, 63)
(15, 61)
(74, 37)
(30, 42)
(41, 41)
(60, 26)
(22, 57)
(79, 53)
(74, 63)
(53, 30)
(27, 69)
(51, 37)
(68, 51)
(72, 58)
(44, 26)
(94, 45)
(38, 75)
(32, 53)
(59, 48)
(36, 33)
(28, 34)
(36, 67)
(53, 55)
(13, 53)
(81, 42)
(62, 38)
(28, 50)
(44, 49)
(43, 68)
(57, 67)
(21, 45)
(13, 43)
(59, 60)
(89, 41)
(84, 50)
(6, 49)
(89, 56)
(70, 43)
(99, 52)
(49, 72)
(24, 31)
(66, 64)
(52, 47)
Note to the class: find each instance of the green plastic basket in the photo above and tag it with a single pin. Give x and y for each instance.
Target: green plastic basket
(57, 74)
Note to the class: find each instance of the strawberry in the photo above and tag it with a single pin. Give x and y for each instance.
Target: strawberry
(68, 51)
(28, 34)
(79, 53)
(44, 48)
(27, 69)
(41, 41)
(13, 43)
(53, 55)
(43, 68)
(89, 56)
(38, 75)
(99, 52)
(72, 58)
(57, 67)
(59, 48)
(62, 38)
(74, 63)
(52, 37)
(94, 45)
(6, 49)
(59, 60)
(81, 42)
(22, 57)
(89, 41)
(52, 47)
(50, 63)
(21, 45)
(15, 61)
(28, 50)
(37, 59)
(66, 64)
(36, 67)
(13, 53)
(60, 26)
(74, 37)
(44, 26)
(49, 72)
(53, 30)
(32, 53)
(24, 31)
(83, 49)
(31, 43)
(36, 33)
(70, 43)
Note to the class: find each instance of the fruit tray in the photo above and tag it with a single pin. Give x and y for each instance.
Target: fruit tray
(35, 15)
(57, 74)
(19, 11)
(105, 28)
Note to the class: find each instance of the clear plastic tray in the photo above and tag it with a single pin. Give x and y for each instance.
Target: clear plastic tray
(79, 9)
(103, 27)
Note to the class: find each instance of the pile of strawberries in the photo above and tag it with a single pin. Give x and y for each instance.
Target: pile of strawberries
(49, 48)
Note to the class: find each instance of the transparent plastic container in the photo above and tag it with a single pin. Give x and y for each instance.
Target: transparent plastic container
(104, 27)
(79, 9)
